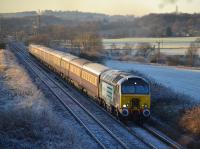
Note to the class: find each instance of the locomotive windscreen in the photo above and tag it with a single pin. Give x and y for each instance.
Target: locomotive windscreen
(135, 86)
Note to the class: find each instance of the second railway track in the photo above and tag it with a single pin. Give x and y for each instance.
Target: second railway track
(106, 135)
(103, 136)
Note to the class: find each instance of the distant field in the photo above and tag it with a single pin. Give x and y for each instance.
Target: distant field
(171, 46)
(151, 40)
(185, 81)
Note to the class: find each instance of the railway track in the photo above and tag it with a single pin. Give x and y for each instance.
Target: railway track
(106, 136)
(150, 135)
(103, 136)
(162, 137)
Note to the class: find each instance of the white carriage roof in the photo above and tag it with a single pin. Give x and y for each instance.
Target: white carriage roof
(48, 50)
(68, 57)
(79, 62)
(95, 68)
(116, 76)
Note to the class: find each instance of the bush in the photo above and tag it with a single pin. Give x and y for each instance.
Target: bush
(2, 68)
(157, 58)
(144, 49)
(167, 104)
(40, 39)
(191, 121)
(2, 45)
(192, 53)
(140, 59)
(173, 60)
(25, 127)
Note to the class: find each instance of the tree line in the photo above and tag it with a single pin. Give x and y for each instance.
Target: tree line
(152, 25)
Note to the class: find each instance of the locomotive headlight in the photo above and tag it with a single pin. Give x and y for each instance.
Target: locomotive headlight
(124, 106)
(145, 106)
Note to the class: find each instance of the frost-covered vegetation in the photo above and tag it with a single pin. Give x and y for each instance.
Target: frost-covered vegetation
(27, 118)
(191, 120)
(174, 92)
(179, 111)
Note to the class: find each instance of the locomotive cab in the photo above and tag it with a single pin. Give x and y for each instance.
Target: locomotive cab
(127, 94)
(134, 97)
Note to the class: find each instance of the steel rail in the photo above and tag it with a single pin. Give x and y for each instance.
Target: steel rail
(151, 130)
(71, 111)
(165, 139)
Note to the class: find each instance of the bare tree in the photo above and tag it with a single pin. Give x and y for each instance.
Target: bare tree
(127, 46)
(192, 53)
(90, 43)
(40, 39)
(144, 49)
(113, 46)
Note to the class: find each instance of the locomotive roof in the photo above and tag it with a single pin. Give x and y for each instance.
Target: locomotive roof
(116, 76)
(80, 62)
(95, 68)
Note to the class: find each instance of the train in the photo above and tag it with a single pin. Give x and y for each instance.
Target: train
(125, 95)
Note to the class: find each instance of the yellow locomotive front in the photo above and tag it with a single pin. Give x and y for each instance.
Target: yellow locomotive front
(134, 97)
(126, 94)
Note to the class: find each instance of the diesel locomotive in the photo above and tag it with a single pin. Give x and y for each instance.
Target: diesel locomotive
(123, 94)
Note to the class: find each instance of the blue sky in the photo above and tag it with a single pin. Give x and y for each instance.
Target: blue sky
(112, 7)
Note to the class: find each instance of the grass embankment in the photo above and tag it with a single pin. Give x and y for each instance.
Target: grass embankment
(27, 119)
(176, 114)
